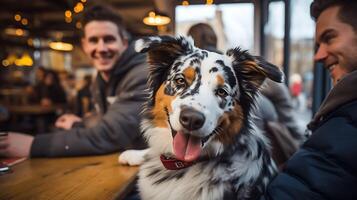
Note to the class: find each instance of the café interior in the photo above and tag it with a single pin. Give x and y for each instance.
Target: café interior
(46, 34)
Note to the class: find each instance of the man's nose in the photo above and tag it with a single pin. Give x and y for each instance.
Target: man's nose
(102, 46)
(321, 53)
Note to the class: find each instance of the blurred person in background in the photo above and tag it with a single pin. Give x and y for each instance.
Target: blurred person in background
(119, 91)
(52, 91)
(296, 90)
(325, 167)
(204, 37)
(33, 91)
(83, 101)
(69, 84)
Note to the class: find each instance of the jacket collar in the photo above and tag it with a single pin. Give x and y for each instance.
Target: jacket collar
(342, 93)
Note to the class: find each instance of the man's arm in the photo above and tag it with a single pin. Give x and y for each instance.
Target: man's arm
(280, 96)
(117, 130)
(324, 168)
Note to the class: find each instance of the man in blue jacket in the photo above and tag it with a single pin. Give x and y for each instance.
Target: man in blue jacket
(326, 165)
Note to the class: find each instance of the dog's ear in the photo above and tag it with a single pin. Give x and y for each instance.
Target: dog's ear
(253, 70)
(162, 52)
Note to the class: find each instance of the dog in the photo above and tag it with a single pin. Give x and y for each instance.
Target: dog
(198, 123)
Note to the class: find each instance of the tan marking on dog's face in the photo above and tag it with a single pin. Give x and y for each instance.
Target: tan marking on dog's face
(220, 80)
(162, 102)
(231, 123)
(189, 74)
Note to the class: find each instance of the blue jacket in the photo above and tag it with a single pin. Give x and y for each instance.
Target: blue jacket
(326, 165)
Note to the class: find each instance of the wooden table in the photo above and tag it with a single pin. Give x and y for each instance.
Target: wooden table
(94, 177)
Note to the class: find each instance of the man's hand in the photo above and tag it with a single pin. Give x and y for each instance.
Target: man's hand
(15, 145)
(66, 121)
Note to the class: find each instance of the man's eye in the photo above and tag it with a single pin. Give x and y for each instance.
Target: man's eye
(221, 92)
(109, 39)
(93, 40)
(180, 82)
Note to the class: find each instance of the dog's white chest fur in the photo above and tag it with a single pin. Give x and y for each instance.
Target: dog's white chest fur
(190, 183)
(207, 180)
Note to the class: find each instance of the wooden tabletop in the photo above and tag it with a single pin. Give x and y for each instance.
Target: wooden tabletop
(94, 177)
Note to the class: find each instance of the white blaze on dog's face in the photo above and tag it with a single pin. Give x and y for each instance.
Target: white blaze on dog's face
(195, 96)
(204, 88)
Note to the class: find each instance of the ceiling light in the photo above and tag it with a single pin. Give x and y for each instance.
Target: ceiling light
(61, 46)
(156, 19)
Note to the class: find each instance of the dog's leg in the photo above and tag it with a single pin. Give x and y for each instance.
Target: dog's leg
(132, 157)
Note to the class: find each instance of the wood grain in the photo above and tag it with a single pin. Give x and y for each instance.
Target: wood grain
(94, 177)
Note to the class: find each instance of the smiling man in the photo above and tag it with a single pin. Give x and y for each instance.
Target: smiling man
(118, 91)
(326, 166)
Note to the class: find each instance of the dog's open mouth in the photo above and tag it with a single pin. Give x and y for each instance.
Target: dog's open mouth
(188, 147)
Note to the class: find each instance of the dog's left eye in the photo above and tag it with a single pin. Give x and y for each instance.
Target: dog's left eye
(180, 82)
(221, 92)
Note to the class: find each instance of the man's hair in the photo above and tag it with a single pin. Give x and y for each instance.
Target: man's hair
(104, 13)
(347, 12)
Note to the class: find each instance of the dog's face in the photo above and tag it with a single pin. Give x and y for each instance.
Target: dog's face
(200, 100)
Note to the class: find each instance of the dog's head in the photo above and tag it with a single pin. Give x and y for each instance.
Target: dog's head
(200, 100)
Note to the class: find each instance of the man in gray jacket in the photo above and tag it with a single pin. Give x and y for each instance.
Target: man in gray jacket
(119, 92)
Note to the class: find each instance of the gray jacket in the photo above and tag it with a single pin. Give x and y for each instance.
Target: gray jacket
(280, 97)
(118, 103)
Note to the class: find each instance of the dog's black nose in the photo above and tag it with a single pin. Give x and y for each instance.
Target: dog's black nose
(191, 119)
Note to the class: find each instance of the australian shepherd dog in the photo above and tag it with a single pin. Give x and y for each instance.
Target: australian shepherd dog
(197, 122)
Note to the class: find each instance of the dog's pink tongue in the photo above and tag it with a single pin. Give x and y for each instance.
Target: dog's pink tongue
(186, 147)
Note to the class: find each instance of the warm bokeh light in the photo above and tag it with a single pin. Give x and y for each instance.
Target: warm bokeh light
(30, 42)
(25, 60)
(61, 46)
(79, 7)
(78, 25)
(5, 63)
(68, 14)
(17, 17)
(185, 3)
(151, 14)
(83, 1)
(19, 32)
(16, 32)
(68, 19)
(209, 2)
(24, 21)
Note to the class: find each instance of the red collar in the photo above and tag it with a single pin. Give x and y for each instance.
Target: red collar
(173, 163)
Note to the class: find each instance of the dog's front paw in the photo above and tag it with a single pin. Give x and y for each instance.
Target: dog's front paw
(132, 157)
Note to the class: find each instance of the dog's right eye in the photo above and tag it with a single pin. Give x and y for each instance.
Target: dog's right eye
(221, 92)
(180, 82)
